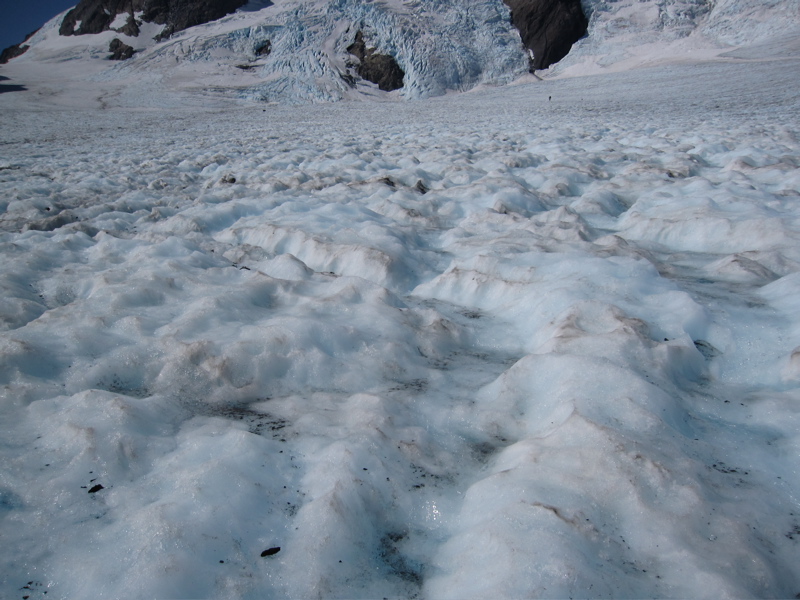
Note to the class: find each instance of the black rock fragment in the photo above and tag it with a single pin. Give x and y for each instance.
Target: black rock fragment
(120, 50)
(264, 48)
(380, 69)
(270, 551)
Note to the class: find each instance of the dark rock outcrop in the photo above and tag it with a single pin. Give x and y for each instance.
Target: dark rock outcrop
(95, 16)
(16, 50)
(380, 69)
(548, 27)
(120, 50)
(12, 52)
(264, 48)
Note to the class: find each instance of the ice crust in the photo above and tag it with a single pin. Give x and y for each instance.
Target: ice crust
(481, 346)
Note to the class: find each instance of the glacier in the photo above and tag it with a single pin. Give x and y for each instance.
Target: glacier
(534, 340)
(443, 47)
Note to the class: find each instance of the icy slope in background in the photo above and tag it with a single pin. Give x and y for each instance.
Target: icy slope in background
(625, 34)
(442, 45)
(478, 346)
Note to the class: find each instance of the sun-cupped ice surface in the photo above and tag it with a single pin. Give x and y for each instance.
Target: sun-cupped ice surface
(469, 347)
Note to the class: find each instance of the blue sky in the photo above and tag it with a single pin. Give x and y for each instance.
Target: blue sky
(18, 18)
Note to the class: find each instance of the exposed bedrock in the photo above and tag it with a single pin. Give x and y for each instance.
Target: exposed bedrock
(12, 52)
(548, 27)
(119, 50)
(16, 50)
(380, 69)
(95, 16)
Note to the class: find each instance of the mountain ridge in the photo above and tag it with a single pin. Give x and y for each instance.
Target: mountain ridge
(96, 16)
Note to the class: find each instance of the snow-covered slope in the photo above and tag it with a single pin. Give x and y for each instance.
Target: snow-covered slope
(442, 45)
(627, 34)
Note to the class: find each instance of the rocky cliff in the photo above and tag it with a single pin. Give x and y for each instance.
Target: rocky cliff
(95, 16)
(16, 50)
(548, 27)
(380, 69)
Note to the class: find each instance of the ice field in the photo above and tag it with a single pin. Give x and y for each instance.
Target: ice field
(486, 345)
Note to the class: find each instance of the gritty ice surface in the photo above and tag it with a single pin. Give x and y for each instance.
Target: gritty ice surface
(488, 345)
